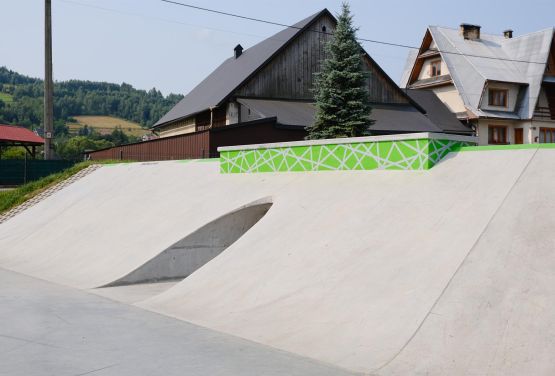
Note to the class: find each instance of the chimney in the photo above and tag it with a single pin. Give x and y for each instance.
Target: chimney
(470, 32)
(508, 34)
(238, 51)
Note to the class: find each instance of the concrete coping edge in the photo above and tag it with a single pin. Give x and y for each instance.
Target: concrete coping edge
(355, 140)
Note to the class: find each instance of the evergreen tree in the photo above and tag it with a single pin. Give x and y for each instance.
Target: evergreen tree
(342, 105)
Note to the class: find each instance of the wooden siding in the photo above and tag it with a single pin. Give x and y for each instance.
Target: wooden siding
(179, 127)
(202, 144)
(380, 88)
(254, 132)
(290, 74)
(218, 119)
(550, 68)
(186, 146)
(423, 52)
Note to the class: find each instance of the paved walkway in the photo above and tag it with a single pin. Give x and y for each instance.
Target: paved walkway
(46, 329)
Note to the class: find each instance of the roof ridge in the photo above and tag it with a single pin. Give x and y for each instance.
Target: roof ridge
(241, 69)
(460, 53)
(293, 26)
(498, 35)
(532, 32)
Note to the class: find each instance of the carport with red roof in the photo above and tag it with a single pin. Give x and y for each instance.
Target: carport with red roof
(12, 135)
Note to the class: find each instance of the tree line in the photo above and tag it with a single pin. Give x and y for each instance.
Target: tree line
(76, 97)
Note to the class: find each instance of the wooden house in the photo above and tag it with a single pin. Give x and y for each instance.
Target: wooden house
(264, 94)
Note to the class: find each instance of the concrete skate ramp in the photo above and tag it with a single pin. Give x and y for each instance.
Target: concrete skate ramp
(115, 220)
(497, 315)
(347, 270)
(196, 249)
(346, 267)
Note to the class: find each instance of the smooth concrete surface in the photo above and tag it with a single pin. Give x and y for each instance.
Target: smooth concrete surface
(346, 267)
(497, 314)
(196, 249)
(49, 330)
(132, 294)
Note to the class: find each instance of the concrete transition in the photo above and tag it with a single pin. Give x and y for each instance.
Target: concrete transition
(445, 271)
(187, 255)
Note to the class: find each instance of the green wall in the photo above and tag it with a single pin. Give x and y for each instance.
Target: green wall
(416, 154)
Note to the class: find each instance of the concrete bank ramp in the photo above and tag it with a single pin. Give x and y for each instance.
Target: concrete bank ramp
(351, 269)
(389, 272)
(127, 223)
(497, 314)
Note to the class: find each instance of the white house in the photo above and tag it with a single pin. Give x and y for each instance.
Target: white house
(502, 86)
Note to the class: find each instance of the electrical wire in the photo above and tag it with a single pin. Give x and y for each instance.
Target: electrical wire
(375, 41)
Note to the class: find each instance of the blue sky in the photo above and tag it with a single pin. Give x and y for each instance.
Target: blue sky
(148, 43)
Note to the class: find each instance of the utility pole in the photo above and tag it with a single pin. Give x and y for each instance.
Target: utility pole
(48, 83)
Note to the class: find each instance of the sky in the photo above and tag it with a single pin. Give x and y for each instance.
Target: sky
(150, 43)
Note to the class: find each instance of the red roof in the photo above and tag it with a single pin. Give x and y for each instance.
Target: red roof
(15, 134)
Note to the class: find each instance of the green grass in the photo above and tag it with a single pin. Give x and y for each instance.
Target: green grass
(6, 98)
(507, 147)
(12, 198)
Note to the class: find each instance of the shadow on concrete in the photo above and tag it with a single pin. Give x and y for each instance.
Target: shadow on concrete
(190, 253)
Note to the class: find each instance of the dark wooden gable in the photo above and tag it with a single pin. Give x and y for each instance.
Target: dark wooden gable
(381, 89)
(423, 52)
(550, 68)
(290, 74)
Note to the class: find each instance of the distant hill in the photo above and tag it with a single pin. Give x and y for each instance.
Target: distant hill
(21, 101)
(105, 125)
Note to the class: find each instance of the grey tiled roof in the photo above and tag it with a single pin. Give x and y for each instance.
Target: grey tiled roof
(470, 73)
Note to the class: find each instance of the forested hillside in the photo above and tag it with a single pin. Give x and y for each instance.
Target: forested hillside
(21, 100)
(21, 103)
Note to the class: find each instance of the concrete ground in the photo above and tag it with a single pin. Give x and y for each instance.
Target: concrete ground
(446, 271)
(47, 329)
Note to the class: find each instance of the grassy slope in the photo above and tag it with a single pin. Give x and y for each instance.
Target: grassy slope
(106, 124)
(6, 98)
(12, 198)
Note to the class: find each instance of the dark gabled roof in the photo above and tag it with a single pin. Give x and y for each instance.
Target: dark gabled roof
(286, 112)
(389, 118)
(215, 88)
(437, 112)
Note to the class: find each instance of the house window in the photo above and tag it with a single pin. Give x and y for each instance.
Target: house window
(547, 135)
(498, 97)
(435, 68)
(497, 134)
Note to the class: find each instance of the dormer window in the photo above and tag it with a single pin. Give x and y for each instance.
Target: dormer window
(435, 68)
(498, 97)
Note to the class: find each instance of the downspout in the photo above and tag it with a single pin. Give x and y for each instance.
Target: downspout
(211, 117)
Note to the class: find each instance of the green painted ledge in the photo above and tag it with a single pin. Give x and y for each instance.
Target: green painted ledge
(415, 151)
(508, 147)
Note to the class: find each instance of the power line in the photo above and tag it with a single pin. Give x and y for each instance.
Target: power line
(375, 41)
(127, 13)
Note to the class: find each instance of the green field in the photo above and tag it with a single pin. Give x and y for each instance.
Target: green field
(6, 98)
(106, 124)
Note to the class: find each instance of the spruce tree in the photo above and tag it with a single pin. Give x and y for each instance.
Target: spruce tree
(340, 91)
